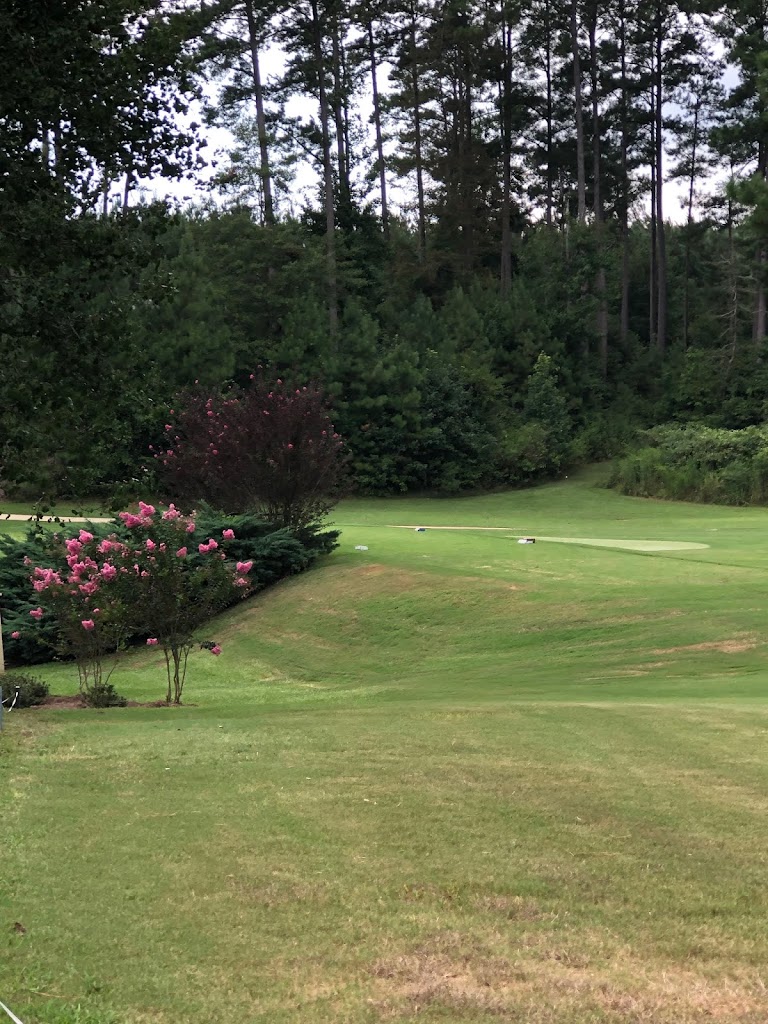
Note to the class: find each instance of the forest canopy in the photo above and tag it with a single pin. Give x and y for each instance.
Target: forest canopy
(486, 273)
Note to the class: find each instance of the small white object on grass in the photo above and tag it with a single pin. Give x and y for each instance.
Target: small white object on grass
(360, 547)
(527, 540)
(13, 1016)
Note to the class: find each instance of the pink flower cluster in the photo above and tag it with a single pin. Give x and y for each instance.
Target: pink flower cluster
(206, 548)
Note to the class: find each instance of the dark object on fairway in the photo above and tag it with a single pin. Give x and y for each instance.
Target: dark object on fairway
(526, 540)
(421, 529)
(19, 928)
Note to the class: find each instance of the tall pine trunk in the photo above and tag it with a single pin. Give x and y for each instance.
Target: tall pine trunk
(330, 221)
(689, 222)
(418, 141)
(338, 110)
(762, 263)
(506, 144)
(550, 119)
(661, 242)
(379, 134)
(624, 173)
(265, 172)
(579, 117)
(602, 305)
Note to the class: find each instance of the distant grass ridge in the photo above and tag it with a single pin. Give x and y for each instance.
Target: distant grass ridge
(698, 463)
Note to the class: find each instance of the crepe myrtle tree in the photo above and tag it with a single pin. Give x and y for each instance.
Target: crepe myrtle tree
(158, 582)
(269, 449)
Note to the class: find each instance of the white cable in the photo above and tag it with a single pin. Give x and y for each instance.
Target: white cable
(13, 1016)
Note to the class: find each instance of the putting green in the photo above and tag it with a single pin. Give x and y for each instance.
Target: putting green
(629, 545)
(594, 542)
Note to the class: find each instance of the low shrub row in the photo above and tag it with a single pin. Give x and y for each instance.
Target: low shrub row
(698, 463)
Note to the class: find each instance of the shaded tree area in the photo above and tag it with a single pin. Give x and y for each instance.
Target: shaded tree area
(485, 214)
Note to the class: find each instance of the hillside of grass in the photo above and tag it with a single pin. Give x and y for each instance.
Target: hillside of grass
(447, 778)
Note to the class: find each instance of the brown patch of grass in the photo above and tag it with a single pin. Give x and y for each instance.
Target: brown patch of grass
(736, 645)
(277, 892)
(542, 984)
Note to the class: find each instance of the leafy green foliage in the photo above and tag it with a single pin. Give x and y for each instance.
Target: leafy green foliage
(698, 463)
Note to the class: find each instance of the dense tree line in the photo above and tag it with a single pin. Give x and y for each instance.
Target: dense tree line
(492, 184)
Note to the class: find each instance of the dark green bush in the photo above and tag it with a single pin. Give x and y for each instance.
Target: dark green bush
(275, 555)
(32, 690)
(104, 695)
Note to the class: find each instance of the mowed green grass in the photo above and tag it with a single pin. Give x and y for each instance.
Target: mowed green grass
(450, 778)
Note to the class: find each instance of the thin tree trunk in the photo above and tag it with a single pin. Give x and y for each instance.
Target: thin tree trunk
(689, 222)
(338, 110)
(624, 204)
(733, 289)
(330, 221)
(418, 144)
(661, 262)
(762, 261)
(265, 172)
(579, 116)
(653, 274)
(45, 146)
(379, 135)
(550, 117)
(127, 189)
(506, 136)
(602, 306)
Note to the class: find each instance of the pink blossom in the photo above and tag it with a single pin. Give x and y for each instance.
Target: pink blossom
(168, 426)
(241, 581)
(97, 611)
(171, 513)
(215, 650)
(150, 544)
(211, 412)
(15, 634)
(130, 519)
(104, 547)
(27, 560)
(244, 567)
(290, 446)
(73, 546)
(190, 527)
(89, 588)
(144, 573)
(37, 613)
(212, 544)
(145, 509)
(228, 534)
(87, 624)
(85, 536)
(108, 571)
(152, 641)
(181, 553)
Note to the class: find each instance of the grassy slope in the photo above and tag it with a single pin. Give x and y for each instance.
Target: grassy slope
(447, 779)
